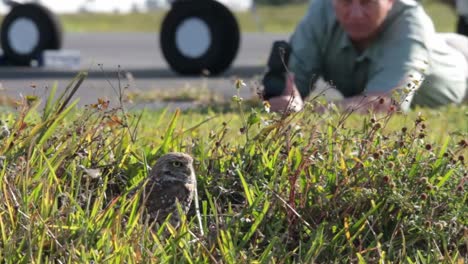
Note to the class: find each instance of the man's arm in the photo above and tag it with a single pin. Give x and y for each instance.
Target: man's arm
(404, 61)
(377, 102)
(290, 100)
(305, 60)
(304, 65)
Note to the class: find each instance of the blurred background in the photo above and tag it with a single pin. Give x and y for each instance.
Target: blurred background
(125, 36)
(258, 15)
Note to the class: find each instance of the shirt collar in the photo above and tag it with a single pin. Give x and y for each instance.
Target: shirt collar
(345, 44)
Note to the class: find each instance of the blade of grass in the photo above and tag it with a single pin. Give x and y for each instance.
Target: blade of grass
(258, 220)
(445, 178)
(48, 108)
(164, 148)
(50, 129)
(248, 194)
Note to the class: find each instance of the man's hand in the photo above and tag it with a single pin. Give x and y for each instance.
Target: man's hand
(377, 102)
(290, 100)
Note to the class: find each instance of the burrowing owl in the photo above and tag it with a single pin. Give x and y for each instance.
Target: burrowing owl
(171, 181)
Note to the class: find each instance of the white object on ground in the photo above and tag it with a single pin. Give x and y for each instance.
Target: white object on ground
(63, 59)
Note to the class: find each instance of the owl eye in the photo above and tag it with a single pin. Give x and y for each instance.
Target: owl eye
(177, 164)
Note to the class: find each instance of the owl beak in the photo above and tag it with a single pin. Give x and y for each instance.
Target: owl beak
(190, 172)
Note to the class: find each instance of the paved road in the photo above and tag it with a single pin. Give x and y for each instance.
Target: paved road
(138, 54)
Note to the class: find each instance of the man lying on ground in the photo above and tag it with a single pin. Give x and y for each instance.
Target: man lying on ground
(367, 49)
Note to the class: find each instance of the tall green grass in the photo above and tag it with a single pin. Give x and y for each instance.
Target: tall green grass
(298, 188)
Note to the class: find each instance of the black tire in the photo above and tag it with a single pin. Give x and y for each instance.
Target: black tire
(48, 28)
(462, 26)
(225, 37)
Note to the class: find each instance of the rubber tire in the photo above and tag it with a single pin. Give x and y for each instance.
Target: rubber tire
(50, 32)
(224, 32)
(462, 25)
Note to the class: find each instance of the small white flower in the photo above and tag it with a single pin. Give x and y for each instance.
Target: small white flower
(93, 173)
(266, 106)
(240, 84)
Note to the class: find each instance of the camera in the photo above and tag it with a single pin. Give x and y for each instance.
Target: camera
(274, 79)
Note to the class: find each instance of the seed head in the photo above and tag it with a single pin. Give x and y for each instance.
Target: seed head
(423, 196)
(463, 143)
(439, 225)
(386, 178)
(423, 180)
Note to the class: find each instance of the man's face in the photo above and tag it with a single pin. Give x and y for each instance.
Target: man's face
(361, 19)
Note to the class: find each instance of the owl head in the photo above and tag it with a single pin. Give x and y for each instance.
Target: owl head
(174, 166)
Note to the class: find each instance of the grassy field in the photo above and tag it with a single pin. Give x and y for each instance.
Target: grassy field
(271, 19)
(303, 188)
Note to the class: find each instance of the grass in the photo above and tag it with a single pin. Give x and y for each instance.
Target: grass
(188, 93)
(285, 20)
(301, 188)
(271, 19)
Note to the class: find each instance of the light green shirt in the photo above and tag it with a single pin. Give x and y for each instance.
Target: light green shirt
(406, 51)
